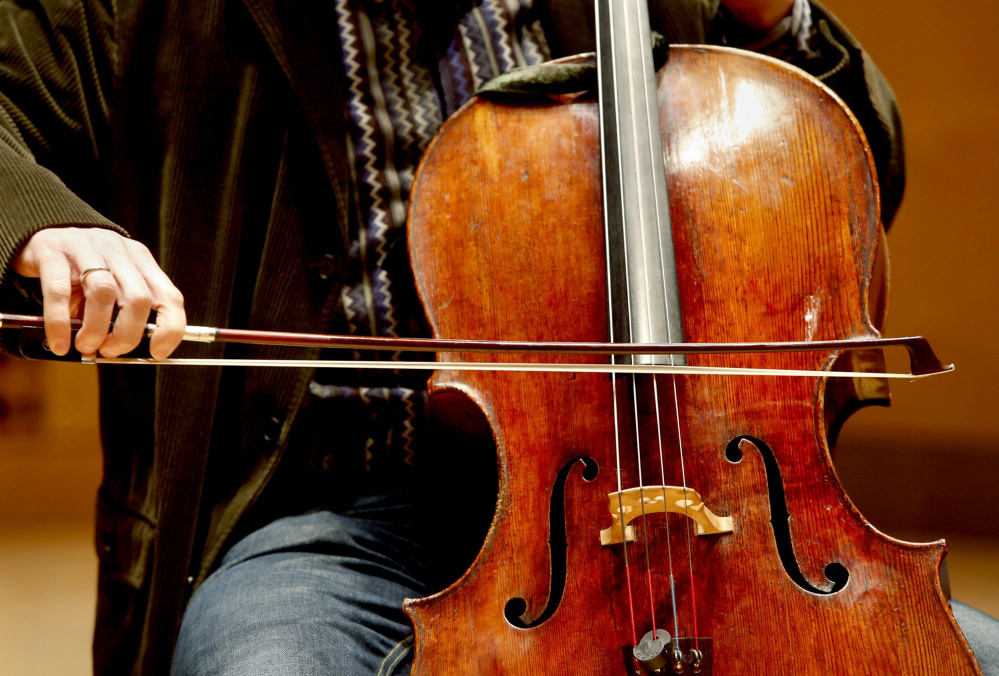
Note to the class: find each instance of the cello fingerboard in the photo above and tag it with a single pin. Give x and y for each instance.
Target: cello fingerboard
(644, 294)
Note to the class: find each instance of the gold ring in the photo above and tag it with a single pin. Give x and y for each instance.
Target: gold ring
(83, 275)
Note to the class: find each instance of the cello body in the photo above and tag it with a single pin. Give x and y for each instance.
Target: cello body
(776, 229)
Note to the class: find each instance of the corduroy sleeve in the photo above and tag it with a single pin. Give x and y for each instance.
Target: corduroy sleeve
(57, 65)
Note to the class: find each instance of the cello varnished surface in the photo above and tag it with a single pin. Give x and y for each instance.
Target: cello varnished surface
(776, 228)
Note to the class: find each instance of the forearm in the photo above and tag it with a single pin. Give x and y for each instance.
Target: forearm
(56, 70)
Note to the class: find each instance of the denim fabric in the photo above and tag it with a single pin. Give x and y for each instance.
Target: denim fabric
(982, 632)
(315, 594)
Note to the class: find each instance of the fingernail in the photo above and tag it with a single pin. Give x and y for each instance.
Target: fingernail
(60, 347)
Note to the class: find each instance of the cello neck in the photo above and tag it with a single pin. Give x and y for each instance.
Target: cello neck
(644, 298)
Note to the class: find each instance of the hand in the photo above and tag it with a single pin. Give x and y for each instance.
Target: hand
(761, 16)
(135, 284)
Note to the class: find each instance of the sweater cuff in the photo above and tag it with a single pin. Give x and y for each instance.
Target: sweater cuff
(33, 198)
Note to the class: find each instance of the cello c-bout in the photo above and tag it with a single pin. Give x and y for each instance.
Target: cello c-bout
(775, 225)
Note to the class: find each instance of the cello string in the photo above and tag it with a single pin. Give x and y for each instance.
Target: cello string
(632, 93)
(601, 95)
(652, 114)
(620, 503)
(686, 511)
(641, 492)
(662, 474)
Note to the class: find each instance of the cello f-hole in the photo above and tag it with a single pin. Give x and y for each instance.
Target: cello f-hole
(516, 610)
(835, 572)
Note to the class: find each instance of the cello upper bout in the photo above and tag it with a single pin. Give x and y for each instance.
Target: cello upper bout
(772, 191)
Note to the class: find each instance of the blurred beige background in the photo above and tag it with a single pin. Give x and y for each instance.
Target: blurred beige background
(927, 467)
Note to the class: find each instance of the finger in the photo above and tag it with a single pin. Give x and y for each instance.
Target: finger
(100, 291)
(54, 273)
(171, 319)
(76, 302)
(134, 302)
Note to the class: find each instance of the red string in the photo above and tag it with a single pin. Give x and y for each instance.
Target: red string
(631, 602)
(693, 604)
(652, 604)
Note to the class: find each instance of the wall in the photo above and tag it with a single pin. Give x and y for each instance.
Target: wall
(931, 461)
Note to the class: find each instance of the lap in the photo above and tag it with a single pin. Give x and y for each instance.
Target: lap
(318, 593)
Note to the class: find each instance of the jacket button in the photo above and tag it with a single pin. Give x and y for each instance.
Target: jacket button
(326, 267)
(272, 429)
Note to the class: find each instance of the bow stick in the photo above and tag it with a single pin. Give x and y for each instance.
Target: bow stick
(923, 361)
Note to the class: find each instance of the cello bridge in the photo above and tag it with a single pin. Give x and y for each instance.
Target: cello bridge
(631, 503)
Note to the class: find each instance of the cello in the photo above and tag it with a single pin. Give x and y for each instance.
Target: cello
(666, 523)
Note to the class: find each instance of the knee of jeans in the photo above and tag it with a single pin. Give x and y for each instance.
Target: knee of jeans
(223, 637)
(205, 633)
(291, 613)
(234, 626)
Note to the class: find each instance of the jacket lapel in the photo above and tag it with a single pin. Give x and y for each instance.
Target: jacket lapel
(304, 40)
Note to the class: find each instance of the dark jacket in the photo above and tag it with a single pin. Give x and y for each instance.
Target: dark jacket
(213, 131)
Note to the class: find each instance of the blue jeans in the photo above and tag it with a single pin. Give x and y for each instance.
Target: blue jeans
(321, 593)
(315, 594)
(982, 632)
